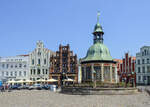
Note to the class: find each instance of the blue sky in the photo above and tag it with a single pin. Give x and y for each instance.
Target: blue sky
(126, 25)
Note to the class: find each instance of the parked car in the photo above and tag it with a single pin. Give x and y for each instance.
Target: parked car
(31, 87)
(35, 86)
(23, 87)
(14, 87)
(46, 87)
(38, 86)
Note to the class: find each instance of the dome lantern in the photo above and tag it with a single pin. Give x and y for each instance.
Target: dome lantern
(98, 31)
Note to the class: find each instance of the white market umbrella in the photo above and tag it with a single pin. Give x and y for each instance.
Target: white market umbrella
(52, 80)
(20, 81)
(12, 81)
(69, 79)
(40, 80)
(28, 81)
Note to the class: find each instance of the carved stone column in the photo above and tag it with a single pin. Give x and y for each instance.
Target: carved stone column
(116, 75)
(111, 73)
(84, 73)
(92, 69)
(102, 73)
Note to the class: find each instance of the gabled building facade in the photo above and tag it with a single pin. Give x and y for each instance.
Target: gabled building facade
(39, 62)
(127, 69)
(64, 63)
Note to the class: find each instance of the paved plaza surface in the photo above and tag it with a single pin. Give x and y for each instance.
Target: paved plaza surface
(46, 98)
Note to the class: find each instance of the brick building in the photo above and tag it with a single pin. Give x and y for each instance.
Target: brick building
(127, 69)
(64, 62)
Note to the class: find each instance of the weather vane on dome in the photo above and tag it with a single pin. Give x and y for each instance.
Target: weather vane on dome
(98, 14)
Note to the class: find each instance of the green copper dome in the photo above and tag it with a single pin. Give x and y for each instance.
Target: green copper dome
(98, 51)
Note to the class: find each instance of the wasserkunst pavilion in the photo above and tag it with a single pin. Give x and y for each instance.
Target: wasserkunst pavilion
(98, 63)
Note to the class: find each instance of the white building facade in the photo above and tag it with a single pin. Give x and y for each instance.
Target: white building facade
(143, 66)
(14, 68)
(39, 62)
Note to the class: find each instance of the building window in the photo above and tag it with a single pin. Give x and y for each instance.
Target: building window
(142, 53)
(20, 73)
(3, 65)
(24, 73)
(31, 71)
(11, 66)
(32, 61)
(139, 78)
(148, 69)
(15, 73)
(7, 66)
(144, 78)
(25, 66)
(143, 69)
(145, 52)
(139, 70)
(44, 61)
(46, 71)
(20, 65)
(33, 79)
(34, 71)
(39, 71)
(39, 53)
(143, 61)
(7, 73)
(39, 62)
(138, 61)
(15, 66)
(20, 59)
(11, 73)
(148, 61)
(43, 71)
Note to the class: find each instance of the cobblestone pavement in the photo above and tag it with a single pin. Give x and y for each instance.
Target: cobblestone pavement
(43, 98)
